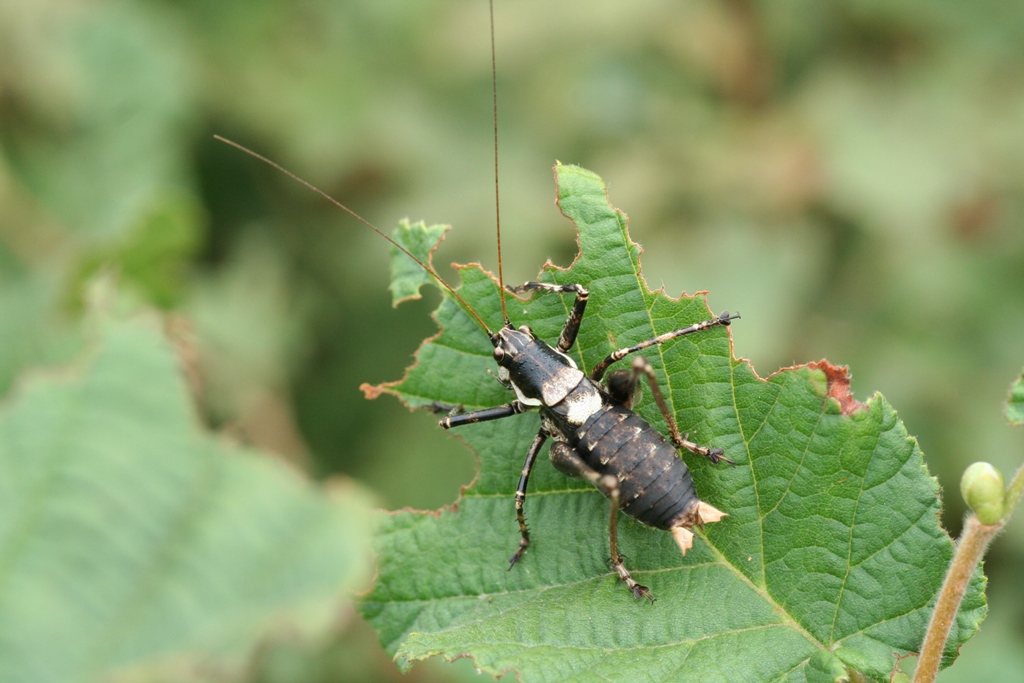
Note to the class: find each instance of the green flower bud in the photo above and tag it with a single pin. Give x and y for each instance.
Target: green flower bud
(983, 490)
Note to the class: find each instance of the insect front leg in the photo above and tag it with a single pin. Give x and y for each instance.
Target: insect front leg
(524, 533)
(454, 419)
(566, 460)
(572, 325)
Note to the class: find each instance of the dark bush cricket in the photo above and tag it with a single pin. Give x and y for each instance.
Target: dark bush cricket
(596, 435)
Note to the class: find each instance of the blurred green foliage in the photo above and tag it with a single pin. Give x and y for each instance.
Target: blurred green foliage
(848, 175)
(143, 545)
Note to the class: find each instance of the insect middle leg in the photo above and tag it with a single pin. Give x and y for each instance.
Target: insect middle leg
(497, 413)
(598, 372)
(622, 384)
(524, 478)
(572, 325)
(566, 460)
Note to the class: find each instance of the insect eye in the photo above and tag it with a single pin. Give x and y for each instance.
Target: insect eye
(499, 353)
(525, 329)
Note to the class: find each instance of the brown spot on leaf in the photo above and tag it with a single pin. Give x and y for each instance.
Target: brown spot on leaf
(372, 391)
(838, 377)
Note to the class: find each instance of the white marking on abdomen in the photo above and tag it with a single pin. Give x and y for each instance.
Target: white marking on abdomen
(581, 404)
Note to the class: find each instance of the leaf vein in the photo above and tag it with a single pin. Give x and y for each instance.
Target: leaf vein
(763, 592)
(849, 550)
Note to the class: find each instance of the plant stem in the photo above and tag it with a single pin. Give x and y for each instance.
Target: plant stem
(1013, 493)
(969, 550)
(974, 539)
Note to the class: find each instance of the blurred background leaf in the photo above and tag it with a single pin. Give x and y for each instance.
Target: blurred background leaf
(849, 176)
(135, 547)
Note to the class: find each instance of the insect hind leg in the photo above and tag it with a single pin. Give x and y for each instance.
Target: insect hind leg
(572, 325)
(566, 460)
(643, 366)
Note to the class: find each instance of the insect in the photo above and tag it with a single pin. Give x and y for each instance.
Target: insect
(596, 436)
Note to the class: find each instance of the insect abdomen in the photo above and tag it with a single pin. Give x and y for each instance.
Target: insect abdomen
(655, 484)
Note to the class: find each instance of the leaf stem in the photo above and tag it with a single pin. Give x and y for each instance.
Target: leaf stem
(969, 550)
(974, 539)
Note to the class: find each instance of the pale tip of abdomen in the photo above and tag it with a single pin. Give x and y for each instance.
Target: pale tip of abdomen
(684, 538)
(708, 514)
(704, 514)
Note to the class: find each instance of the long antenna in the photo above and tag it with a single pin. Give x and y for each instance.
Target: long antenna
(365, 222)
(497, 200)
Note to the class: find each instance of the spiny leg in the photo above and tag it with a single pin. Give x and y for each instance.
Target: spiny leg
(568, 461)
(455, 419)
(598, 372)
(572, 325)
(642, 365)
(531, 457)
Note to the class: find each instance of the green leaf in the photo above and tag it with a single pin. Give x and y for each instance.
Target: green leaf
(406, 275)
(1015, 402)
(32, 330)
(132, 542)
(153, 256)
(825, 667)
(830, 556)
